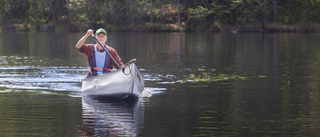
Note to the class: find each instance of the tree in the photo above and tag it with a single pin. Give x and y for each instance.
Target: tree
(289, 10)
(275, 11)
(197, 18)
(197, 14)
(36, 24)
(151, 11)
(179, 12)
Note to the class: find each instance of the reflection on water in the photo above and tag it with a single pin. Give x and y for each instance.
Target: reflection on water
(31, 114)
(208, 84)
(111, 118)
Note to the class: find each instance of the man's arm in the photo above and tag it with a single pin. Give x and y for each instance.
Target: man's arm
(83, 39)
(116, 57)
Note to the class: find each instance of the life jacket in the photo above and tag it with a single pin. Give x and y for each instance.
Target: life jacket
(100, 63)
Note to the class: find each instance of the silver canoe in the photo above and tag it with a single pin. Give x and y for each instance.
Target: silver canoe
(117, 84)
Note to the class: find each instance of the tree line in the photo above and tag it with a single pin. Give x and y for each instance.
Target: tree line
(160, 15)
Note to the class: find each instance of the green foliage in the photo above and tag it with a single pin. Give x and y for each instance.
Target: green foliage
(196, 15)
(167, 14)
(60, 28)
(311, 13)
(197, 18)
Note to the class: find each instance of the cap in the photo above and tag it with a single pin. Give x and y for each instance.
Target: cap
(101, 31)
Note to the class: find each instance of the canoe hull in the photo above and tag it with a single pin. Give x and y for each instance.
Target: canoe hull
(117, 84)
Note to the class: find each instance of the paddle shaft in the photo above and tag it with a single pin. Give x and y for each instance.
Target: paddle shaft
(106, 51)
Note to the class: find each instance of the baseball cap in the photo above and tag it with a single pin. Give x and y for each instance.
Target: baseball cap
(101, 31)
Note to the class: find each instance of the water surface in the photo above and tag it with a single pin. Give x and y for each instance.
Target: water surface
(202, 84)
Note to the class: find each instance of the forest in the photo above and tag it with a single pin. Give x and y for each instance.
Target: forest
(160, 15)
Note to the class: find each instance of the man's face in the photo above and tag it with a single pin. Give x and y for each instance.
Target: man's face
(102, 38)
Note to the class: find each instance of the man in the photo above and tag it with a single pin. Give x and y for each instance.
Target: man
(98, 59)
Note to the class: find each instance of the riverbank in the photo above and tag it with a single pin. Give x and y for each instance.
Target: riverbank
(155, 27)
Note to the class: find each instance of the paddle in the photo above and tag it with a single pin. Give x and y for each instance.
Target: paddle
(106, 51)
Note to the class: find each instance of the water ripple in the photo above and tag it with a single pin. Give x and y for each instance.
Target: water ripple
(31, 73)
(42, 75)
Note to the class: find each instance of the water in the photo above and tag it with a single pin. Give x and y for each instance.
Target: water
(202, 84)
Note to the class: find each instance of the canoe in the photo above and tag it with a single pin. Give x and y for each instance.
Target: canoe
(117, 84)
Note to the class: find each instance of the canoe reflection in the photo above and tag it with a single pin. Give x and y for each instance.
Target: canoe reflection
(111, 118)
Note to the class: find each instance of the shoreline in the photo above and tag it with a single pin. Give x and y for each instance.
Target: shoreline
(271, 28)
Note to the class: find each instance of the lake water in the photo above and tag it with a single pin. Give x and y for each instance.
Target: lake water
(202, 84)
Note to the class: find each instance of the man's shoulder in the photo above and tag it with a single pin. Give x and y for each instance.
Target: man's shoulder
(111, 49)
(89, 45)
(85, 48)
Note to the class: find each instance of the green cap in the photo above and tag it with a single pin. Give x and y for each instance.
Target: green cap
(101, 31)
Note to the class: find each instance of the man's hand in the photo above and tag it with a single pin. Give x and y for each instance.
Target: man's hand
(83, 39)
(89, 32)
